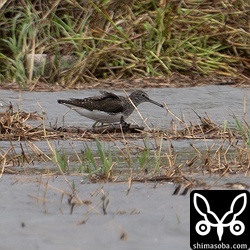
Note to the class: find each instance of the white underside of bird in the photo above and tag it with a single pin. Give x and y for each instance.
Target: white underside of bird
(97, 115)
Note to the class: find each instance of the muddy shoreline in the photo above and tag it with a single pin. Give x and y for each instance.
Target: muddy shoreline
(175, 80)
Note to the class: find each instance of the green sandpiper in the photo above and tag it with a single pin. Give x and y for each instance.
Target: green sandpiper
(108, 107)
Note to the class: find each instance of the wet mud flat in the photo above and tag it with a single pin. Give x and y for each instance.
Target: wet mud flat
(45, 207)
(44, 212)
(40, 216)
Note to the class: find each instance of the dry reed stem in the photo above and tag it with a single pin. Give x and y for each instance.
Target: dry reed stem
(138, 112)
(122, 39)
(215, 159)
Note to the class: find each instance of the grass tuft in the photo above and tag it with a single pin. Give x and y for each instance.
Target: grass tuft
(120, 39)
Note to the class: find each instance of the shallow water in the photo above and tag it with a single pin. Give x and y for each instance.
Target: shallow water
(220, 102)
(38, 218)
(149, 216)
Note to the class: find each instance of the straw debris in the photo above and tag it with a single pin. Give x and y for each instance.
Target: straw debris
(226, 151)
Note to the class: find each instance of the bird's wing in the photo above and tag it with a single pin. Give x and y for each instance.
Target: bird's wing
(112, 106)
(108, 94)
(107, 102)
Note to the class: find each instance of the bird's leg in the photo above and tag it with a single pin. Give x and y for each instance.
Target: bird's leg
(122, 121)
(94, 125)
(125, 126)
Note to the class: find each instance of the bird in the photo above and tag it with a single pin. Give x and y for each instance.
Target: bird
(108, 107)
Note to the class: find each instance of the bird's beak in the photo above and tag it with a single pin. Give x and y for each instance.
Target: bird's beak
(156, 103)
